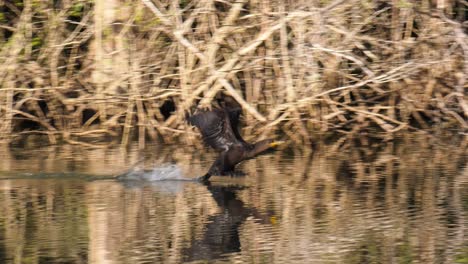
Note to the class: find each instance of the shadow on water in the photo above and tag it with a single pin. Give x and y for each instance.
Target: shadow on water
(394, 202)
(221, 230)
(221, 235)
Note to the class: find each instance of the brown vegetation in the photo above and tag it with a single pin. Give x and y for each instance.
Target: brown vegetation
(123, 68)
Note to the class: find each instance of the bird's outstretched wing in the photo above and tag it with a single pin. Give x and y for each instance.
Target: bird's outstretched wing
(234, 120)
(215, 128)
(234, 111)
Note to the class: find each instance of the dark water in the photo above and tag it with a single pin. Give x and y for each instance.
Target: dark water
(404, 202)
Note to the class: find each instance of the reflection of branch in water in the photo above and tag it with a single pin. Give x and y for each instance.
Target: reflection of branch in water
(221, 234)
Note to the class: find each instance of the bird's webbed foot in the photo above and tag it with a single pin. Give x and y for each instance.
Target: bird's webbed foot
(204, 179)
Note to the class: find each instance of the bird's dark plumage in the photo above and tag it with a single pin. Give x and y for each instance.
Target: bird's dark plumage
(215, 128)
(220, 130)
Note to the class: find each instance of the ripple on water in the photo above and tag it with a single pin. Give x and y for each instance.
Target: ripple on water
(319, 207)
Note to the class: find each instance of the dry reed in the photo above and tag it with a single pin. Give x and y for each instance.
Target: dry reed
(76, 70)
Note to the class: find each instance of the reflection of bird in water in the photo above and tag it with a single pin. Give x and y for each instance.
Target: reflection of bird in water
(219, 128)
(221, 235)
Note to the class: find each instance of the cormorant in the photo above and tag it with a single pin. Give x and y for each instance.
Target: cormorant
(219, 128)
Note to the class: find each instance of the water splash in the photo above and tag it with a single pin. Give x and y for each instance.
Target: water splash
(165, 172)
(166, 178)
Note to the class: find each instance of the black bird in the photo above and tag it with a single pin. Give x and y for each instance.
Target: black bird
(219, 128)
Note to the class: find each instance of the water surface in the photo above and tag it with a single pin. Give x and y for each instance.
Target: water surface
(396, 202)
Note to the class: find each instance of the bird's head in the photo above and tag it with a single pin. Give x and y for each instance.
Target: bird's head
(275, 143)
(264, 145)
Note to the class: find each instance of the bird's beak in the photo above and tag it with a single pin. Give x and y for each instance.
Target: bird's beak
(276, 143)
